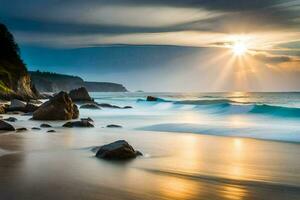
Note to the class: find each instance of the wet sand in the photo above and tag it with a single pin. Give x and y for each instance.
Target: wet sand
(40, 165)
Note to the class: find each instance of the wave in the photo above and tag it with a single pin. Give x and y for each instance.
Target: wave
(227, 106)
(256, 130)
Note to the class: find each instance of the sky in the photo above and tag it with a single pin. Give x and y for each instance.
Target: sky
(163, 45)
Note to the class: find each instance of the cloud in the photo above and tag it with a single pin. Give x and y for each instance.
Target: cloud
(274, 59)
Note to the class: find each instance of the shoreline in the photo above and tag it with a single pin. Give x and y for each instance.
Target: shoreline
(176, 166)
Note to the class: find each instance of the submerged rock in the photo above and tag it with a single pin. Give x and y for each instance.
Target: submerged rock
(113, 126)
(60, 107)
(45, 126)
(119, 150)
(88, 119)
(11, 119)
(151, 98)
(4, 126)
(36, 128)
(107, 105)
(51, 131)
(90, 106)
(127, 107)
(80, 94)
(21, 129)
(81, 123)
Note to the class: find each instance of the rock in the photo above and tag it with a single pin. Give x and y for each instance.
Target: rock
(2, 109)
(11, 119)
(27, 114)
(119, 150)
(16, 104)
(106, 105)
(45, 126)
(88, 119)
(35, 101)
(15, 113)
(30, 108)
(81, 123)
(151, 98)
(46, 95)
(90, 106)
(127, 107)
(60, 107)
(113, 126)
(80, 94)
(21, 129)
(51, 131)
(35, 128)
(4, 126)
(75, 111)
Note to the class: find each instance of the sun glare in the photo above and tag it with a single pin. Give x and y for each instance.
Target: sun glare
(239, 48)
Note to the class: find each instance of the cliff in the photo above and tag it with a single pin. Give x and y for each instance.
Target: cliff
(53, 82)
(15, 81)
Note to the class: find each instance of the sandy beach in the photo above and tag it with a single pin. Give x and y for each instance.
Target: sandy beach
(60, 165)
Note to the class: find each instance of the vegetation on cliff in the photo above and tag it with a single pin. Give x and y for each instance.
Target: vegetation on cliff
(15, 81)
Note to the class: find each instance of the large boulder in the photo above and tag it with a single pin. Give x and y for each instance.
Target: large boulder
(60, 107)
(80, 95)
(119, 150)
(4, 126)
(85, 123)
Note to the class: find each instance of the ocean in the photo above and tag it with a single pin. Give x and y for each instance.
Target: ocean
(268, 116)
(195, 146)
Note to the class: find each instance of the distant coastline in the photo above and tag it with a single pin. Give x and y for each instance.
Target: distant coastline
(54, 82)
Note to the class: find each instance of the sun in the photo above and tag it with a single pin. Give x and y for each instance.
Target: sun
(239, 48)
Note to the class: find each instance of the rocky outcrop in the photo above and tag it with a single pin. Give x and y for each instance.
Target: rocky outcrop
(15, 81)
(80, 95)
(82, 123)
(60, 107)
(119, 150)
(4, 126)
